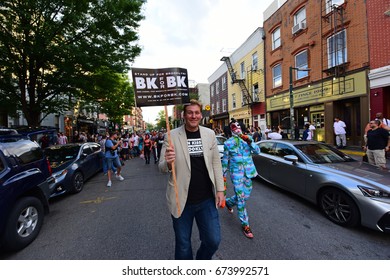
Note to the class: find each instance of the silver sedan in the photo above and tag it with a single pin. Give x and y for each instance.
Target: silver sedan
(220, 141)
(348, 192)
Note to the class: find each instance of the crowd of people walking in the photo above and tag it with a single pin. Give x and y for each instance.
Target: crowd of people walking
(117, 149)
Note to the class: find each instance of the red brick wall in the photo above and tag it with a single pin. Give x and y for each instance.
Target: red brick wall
(314, 40)
(379, 32)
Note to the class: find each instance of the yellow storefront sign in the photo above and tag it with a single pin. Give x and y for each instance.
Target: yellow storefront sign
(353, 85)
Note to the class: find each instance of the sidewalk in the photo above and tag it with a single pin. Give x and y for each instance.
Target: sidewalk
(358, 153)
(353, 151)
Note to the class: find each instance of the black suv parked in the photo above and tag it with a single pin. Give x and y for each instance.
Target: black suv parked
(7, 131)
(24, 192)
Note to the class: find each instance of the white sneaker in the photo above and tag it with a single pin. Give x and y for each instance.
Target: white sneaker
(119, 177)
(109, 184)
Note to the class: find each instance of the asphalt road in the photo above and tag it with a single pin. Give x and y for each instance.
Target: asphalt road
(130, 221)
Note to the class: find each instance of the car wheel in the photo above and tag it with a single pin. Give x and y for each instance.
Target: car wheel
(24, 223)
(339, 207)
(77, 182)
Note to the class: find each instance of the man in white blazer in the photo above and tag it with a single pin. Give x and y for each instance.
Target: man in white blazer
(199, 187)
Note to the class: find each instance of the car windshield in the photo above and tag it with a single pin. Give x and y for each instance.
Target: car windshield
(60, 154)
(8, 132)
(221, 140)
(319, 153)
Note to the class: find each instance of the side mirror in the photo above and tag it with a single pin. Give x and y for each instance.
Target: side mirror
(291, 158)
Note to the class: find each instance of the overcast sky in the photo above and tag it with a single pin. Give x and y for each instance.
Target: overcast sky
(194, 34)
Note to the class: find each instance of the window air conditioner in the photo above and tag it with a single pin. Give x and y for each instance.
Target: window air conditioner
(298, 27)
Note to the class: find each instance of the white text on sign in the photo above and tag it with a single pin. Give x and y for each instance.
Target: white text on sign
(164, 82)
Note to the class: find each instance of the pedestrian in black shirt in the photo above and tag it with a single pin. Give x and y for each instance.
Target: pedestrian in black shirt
(200, 187)
(378, 142)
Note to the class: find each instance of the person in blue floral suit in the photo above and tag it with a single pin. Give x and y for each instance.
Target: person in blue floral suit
(237, 159)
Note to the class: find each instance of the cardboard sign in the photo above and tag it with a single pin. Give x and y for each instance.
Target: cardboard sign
(158, 87)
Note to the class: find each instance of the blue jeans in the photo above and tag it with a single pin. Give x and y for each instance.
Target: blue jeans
(104, 162)
(105, 165)
(207, 219)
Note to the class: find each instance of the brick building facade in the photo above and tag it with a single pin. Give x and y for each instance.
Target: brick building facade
(329, 39)
(378, 18)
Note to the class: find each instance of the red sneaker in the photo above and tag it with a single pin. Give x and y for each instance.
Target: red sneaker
(247, 231)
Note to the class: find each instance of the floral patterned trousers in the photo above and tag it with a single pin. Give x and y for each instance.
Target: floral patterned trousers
(242, 190)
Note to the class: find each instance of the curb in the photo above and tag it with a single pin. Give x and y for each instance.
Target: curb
(351, 152)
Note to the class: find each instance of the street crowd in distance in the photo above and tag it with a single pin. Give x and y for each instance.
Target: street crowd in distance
(116, 147)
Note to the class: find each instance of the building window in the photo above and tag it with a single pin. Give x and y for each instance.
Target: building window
(242, 70)
(255, 91)
(224, 83)
(337, 49)
(224, 105)
(276, 38)
(254, 61)
(217, 87)
(212, 90)
(234, 101)
(299, 21)
(218, 107)
(300, 16)
(329, 4)
(277, 75)
(212, 111)
(243, 99)
(301, 62)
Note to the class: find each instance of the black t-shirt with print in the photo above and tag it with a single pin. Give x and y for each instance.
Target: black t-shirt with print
(377, 139)
(200, 187)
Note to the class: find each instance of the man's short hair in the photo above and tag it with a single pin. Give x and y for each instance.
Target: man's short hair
(193, 102)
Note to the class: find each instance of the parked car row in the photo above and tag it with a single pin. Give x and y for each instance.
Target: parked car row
(30, 176)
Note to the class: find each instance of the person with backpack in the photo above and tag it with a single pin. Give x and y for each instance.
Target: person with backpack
(112, 156)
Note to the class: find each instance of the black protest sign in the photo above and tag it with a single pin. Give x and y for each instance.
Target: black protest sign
(157, 87)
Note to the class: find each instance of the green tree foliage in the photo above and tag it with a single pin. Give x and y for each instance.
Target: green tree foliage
(55, 52)
(120, 100)
(160, 120)
(150, 126)
(193, 95)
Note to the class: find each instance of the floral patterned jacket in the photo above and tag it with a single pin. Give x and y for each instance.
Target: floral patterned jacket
(237, 156)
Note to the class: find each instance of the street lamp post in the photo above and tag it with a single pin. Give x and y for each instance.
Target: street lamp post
(292, 96)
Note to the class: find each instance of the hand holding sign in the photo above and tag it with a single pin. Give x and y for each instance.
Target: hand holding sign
(156, 87)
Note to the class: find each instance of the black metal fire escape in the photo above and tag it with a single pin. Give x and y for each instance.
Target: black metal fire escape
(241, 82)
(334, 16)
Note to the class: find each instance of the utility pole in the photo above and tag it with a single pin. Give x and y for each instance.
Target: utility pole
(292, 119)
